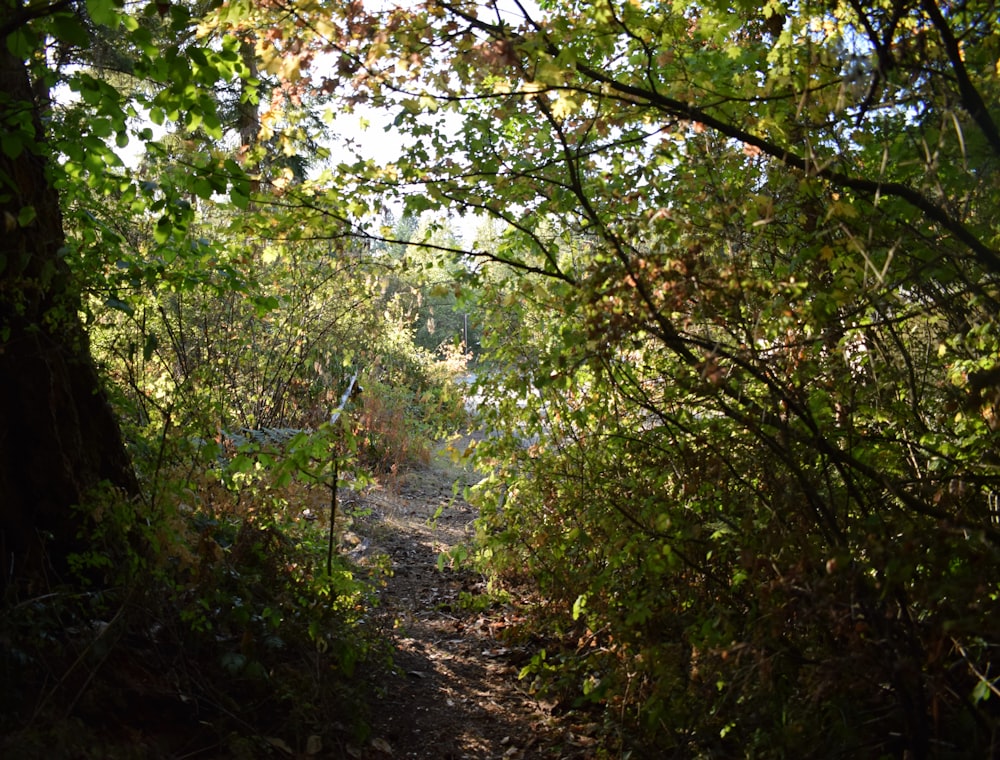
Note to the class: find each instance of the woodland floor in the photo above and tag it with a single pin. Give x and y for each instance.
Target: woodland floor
(454, 692)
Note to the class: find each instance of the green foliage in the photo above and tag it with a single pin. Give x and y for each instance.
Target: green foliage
(214, 304)
(265, 634)
(742, 354)
(739, 314)
(431, 286)
(691, 587)
(410, 398)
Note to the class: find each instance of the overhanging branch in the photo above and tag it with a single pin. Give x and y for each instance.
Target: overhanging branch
(987, 257)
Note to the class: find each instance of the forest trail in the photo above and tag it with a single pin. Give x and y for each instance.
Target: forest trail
(454, 692)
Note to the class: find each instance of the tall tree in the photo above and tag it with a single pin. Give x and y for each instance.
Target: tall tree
(60, 438)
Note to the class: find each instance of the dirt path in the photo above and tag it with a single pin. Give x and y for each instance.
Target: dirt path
(455, 692)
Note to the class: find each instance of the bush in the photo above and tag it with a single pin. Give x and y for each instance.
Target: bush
(690, 598)
(202, 631)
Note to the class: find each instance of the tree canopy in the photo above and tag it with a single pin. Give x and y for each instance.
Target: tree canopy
(738, 310)
(752, 269)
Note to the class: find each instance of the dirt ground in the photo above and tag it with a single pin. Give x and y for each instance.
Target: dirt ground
(455, 692)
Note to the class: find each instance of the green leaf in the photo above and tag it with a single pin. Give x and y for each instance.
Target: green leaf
(202, 188)
(164, 227)
(103, 12)
(26, 216)
(981, 691)
(239, 196)
(265, 304)
(119, 305)
(197, 56)
(233, 663)
(241, 463)
(11, 144)
(22, 42)
(69, 29)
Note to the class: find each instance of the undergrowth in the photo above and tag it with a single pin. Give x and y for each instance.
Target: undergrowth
(205, 624)
(212, 617)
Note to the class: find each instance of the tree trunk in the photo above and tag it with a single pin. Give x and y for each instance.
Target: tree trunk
(58, 436)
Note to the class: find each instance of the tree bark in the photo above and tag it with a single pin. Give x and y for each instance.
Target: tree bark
(58, 435)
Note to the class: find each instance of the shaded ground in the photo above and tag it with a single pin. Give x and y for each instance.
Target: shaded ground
(133, 677)
(455, 692)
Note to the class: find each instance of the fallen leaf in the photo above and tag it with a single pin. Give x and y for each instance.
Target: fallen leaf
(277, 743)
(382, 746)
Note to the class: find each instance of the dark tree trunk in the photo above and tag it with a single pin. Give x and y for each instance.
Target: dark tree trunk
(58, 435)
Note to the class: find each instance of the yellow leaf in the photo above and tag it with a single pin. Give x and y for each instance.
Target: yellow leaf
(288, 146)
(549, 72)
(283, 180)
(376, 52)
(566, 104)
(843, 209)
(501, 86)
(290, 69)
(270, 61)
(324, 28)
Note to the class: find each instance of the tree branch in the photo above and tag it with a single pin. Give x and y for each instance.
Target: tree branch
(987, 257)
(29, 14)
(971, 99)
